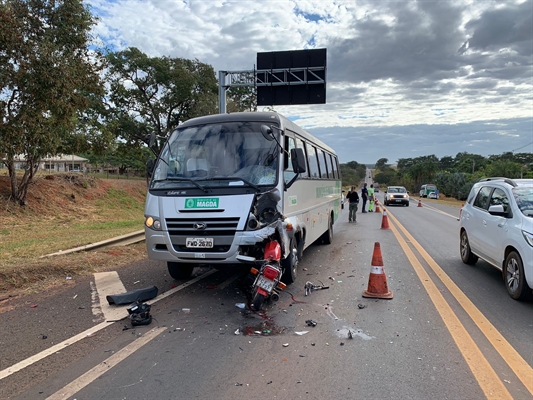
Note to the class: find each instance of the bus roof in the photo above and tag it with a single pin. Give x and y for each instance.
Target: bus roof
(266, 117)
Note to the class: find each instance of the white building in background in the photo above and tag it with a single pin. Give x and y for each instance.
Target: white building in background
(59, 163)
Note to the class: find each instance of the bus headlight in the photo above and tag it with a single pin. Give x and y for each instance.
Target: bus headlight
(152, 223)
(252, 224)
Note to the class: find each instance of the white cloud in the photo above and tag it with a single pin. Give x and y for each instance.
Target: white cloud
(405, 79)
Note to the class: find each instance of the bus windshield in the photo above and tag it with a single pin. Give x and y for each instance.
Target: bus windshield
(214, 153)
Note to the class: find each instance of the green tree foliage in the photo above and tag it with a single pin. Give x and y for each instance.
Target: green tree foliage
(381, 163)
(352, 173)
(418, 171)
(46, 78)
(153, 95)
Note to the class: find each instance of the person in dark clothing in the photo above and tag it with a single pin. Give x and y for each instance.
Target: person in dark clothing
(364, 195)
(353, 198)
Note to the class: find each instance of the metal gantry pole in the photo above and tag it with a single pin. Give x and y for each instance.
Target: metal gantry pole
(222, 92)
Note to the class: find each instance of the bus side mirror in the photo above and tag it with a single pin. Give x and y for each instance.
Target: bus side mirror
(298, 161)
(149, 167)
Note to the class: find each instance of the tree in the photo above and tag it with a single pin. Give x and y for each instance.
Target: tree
(153, 95)
(46, 77)
(381, 163)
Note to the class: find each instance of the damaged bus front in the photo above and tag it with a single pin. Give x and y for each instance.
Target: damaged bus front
(225, 185)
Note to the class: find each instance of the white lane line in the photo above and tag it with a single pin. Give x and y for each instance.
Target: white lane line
(224, 284)
(109, 283)
(75, 386)
(89, 332)
(431, 208)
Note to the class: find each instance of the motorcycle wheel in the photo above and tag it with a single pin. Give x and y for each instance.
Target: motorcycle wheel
(257, 301)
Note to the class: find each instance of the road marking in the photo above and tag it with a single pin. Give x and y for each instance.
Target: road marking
(487, 375)
(100, 369)
(515, 361)
(89, 332)
(434, 209)
(231, 279)
(109, 283)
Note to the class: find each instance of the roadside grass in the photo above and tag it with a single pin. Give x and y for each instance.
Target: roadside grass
(64, 212)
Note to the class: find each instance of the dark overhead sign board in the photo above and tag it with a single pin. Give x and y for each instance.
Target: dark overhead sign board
(291, 77)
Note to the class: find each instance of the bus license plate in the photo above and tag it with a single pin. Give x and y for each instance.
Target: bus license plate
(265, 283)
(199, 243)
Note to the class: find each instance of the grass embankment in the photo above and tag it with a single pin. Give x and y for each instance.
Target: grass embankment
(66, 211)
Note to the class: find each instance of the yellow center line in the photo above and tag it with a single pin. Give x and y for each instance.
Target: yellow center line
(487, 378)
(515, 361)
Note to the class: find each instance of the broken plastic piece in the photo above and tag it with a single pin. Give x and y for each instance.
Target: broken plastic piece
(301, 333)
(133, 296)
(310, 322)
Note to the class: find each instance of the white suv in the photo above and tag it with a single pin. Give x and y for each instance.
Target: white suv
(497, 226)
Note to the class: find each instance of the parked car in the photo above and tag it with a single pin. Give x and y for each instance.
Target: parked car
(396, 195)
(497, 226)
(433, 195)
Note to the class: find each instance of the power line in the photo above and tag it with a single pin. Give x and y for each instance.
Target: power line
(512, 151)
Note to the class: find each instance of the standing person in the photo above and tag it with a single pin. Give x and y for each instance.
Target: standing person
(371, 198)
(353, 198)
(364, 195)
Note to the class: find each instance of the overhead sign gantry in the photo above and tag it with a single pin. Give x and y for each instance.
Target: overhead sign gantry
(281, 78)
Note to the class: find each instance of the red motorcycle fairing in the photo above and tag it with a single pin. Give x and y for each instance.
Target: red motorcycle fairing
(272, 251)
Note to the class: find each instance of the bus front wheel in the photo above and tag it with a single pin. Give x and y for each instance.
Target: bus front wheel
(179, 270)
(327, 237)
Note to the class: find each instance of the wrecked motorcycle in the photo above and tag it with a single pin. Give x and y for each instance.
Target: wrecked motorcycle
(275, 259)
(267, 283)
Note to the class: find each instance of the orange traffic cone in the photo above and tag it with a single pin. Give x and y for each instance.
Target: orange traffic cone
(377, 206)
(419, 202)
(377, 281)
(385, 220)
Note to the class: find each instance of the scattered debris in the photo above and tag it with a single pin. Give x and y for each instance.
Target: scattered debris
(186, 310)
(136, 282)
(342, 343)
(133, 296)
(310, 322)
(44, 337)
(303, 355)
(74, 297)
(309, 287)
(81, 308)
(240, 305)
(140, 314)
(350, 336)
(285, 344)
(238, 332)
(34, 306)
(301, 333)
(269, 382)
(125, 328)
(69, 278)
(238, 384)
(361, 306)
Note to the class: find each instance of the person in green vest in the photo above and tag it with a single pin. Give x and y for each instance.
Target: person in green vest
(371, 198)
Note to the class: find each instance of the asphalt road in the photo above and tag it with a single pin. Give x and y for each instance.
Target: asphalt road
(450, 331)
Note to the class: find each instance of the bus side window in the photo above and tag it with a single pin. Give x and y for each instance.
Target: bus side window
(331, 166)
(322, 162)
(313, 161)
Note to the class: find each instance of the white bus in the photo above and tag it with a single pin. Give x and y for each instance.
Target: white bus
(223, 185)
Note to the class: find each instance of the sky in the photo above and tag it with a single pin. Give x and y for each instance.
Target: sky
(404, 78)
